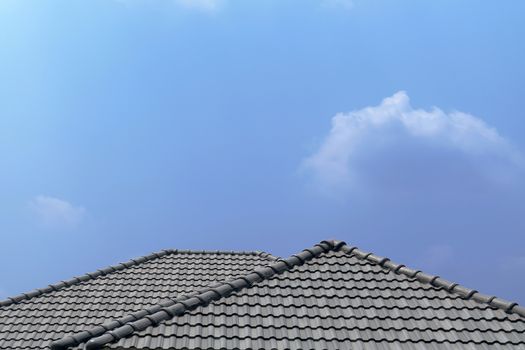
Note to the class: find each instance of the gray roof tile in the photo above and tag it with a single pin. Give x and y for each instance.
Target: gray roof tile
(32, 323)
(331, 296)
(332, 302)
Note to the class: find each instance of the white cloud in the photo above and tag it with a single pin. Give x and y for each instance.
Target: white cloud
(53, 212)
(356, 134)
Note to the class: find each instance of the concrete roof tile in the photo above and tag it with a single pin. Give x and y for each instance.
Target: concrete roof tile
(330, 296)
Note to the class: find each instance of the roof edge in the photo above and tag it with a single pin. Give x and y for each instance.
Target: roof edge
(85, 277)
(436, 281)
(112, 331)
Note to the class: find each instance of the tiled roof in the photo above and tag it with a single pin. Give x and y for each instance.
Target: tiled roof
(32, 320)
(330, 296)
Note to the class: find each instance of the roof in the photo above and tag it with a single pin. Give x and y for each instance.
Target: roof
(32, 320)
(331, 296)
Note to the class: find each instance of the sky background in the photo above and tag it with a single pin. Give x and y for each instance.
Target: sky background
(131, 126)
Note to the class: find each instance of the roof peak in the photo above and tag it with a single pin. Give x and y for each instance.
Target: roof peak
(119, 267)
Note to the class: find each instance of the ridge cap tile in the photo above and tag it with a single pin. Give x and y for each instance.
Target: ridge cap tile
(262, 254)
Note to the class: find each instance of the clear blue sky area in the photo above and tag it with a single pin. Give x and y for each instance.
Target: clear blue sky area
(130, 126)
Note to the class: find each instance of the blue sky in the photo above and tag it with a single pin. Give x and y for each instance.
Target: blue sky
(131, 126)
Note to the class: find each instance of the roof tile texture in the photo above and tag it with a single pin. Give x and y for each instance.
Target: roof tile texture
(333, 302)
(33, 323)
(330, 296)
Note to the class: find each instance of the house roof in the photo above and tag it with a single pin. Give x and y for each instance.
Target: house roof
(33, 320)
(331, 296)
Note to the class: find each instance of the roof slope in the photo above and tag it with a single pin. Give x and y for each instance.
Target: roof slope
(330, 296)
(34, 319)
(338, 298)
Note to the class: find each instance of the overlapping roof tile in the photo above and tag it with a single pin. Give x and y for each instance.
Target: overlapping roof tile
(330, 296)
(33, 320)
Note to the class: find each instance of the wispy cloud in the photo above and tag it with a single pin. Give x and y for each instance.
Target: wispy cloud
(394, 126)
(56, 213)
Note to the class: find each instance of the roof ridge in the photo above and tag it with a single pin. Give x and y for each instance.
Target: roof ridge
(85, 277)
(434, 280)
(232, 252)
(117, 329)
(266, 255)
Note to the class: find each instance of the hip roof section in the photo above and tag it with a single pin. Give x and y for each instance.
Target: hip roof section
(33, 320)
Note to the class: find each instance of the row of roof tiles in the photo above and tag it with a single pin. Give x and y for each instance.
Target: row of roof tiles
(134, 323)
(118, 267)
